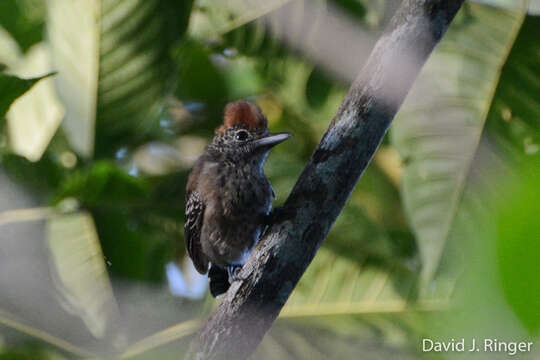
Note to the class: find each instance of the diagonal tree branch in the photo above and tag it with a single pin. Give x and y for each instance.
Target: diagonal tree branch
(251, 306)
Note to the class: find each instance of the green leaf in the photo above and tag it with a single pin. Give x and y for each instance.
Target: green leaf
(487, 262)
(37, 311)
(24, 20)
(336, 285)
(38, 109)
(356, 236)
(318, 88)
(43, 176)
(135, 249)
(514, 124)
(28, 352)
(115, 67)
(354, 8)
(104, 184)
(325, 339)
(514, 119)
(136, 222)
(518, 246)
(196, 72)
(439, 126)
(12, 87)
(80, 272)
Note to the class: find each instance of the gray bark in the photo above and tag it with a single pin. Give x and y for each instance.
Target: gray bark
(250, 307)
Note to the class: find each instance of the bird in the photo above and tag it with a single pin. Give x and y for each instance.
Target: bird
(228, 196)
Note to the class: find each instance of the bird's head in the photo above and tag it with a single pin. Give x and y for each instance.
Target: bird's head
(244, 133)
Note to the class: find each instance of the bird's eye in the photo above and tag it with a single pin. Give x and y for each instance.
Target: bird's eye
(242, 135)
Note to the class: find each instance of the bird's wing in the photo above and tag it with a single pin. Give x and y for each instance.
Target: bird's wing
(192, 230)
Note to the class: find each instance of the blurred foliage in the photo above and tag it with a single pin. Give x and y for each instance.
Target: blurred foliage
(11, 88)
(442, 120)
(197, 71)
(43, 176)
(24, 354)
(351, 7)
(518, 247)
(513, 120)
(127, 72)
(141, 88)
(104, 183)
(24, 20)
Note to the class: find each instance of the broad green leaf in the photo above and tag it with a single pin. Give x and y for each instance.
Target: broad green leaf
(135, 248)
(115, 67)
(39, 109)
(335, 285)
(196, 72)
(80, 281)
(325, 339)
(500, 272)
(42, 176)
(514, 124)
(128, 220)
(514, 118)
(103, 184)
(24, 20)
(518, 245)
(439, 126)
(11, 88)
(318, 87)
(137, 228)
(29, 298)
(80, 272)
(73, 31)
(29, 352)
(356, 8)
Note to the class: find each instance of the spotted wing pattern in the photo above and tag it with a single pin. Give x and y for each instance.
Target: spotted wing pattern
(192, 231)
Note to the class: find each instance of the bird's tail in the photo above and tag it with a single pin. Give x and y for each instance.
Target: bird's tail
(219, 280)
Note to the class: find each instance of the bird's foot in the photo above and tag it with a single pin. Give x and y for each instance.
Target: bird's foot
(234, 273)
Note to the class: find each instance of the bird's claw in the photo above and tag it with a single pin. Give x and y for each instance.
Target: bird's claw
(234, 273)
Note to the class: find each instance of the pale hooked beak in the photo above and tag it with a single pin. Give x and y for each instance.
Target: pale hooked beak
(271, 140)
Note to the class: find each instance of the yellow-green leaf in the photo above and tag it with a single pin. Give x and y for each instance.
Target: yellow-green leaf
(439, 126)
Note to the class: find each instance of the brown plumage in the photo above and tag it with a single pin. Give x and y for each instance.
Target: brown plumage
(228, 197)
(244, 114)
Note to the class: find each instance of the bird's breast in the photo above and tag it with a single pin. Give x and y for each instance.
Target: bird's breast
(244, 193)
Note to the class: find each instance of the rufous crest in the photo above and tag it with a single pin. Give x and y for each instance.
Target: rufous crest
(245, 114)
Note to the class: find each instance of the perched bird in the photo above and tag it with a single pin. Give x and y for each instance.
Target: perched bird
(228, 197)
